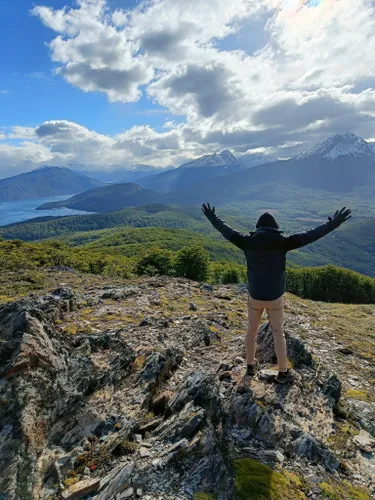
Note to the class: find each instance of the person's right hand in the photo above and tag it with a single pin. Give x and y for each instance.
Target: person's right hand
(341, 216)
(208, 211)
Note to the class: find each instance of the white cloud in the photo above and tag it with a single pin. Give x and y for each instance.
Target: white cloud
(23, 157)
(313, 76)
(4, 91)
(17, 132)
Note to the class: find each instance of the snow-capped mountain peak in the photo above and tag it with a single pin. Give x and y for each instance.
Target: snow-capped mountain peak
(250, 160)
(225, 158)
(347, 144)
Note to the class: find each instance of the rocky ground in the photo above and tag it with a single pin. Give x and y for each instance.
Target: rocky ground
(137, 390)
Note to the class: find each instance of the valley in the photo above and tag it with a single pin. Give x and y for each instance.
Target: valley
(302, 192)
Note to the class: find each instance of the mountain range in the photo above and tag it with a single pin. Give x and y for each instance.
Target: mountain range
(203, 168)
(44, 182)
(342, 164)
(116, 173)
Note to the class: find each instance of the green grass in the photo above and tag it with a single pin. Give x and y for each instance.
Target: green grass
(132, 242)
(343, 491)
(255, 481)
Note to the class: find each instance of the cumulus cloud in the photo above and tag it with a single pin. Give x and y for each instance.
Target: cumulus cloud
(60, 142)
(21, 133)
(309, 74)
(21, 158)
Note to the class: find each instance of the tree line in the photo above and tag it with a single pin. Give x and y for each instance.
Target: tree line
(327, 283)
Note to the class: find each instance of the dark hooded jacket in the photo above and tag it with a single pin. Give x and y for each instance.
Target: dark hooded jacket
(265, 252)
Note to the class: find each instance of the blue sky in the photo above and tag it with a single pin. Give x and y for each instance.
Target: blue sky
(34, 95)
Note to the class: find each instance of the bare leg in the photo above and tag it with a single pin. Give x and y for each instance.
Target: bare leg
(275, 310)
(255, 311)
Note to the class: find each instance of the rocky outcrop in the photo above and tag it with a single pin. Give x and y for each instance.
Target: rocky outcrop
(158, 406)
(46, 380)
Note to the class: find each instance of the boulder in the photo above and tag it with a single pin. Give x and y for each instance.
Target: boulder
(157, 367)
(81, 489)
(203, 390)
(298, 352)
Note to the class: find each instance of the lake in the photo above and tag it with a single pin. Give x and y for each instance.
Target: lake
(18, 211)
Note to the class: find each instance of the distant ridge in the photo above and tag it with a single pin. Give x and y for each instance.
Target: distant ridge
(44, 182)
(107, 198)
(200, 169)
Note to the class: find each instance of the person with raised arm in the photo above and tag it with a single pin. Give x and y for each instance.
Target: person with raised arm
(265, 251)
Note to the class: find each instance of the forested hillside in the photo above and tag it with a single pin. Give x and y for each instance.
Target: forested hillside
(106, 198)
(350, 246)
(23, 265)
(47, 181)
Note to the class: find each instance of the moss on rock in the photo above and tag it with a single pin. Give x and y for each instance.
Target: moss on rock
(204, 496)
(343, 491)
(257, 481)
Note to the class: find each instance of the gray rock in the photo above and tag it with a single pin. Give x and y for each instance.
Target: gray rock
(115, 482)
(207, 288)
(119, 293)
(298, 352)
(81, 489)
(84, 348)
(180, 425)
(203, 390)
(183, 443)
(201, 334)
(157, 462)
(47, 382)
(144, 452)
(157, 367)
(129, 492)
(332, 388)
(150, 426)
(272, 456)
(363, 413)
(193, 307)
(65, 463)
(306, 446)
(364, 441)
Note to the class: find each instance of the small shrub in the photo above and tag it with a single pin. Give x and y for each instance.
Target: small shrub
(155, 261)
(192, 263)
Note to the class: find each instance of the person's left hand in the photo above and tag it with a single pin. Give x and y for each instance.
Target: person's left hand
(341, 216)
(208, 211)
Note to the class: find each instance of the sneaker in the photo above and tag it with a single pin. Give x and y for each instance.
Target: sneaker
(286, 377)
(252, 369)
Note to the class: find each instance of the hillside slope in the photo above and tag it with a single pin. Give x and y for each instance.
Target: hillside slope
(149, 395)
(44, 182)
(351, 246)
(107, 198)
(343, 175)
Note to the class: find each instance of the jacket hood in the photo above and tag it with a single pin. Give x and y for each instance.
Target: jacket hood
(267, 220)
